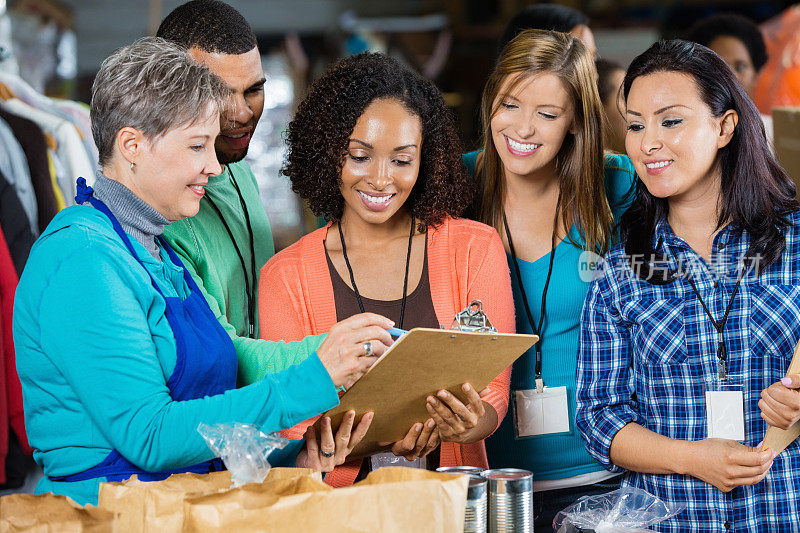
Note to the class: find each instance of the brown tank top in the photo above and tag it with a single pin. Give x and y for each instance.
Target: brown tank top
(419, 313)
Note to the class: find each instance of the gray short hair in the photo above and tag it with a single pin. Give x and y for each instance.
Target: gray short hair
(152, 85)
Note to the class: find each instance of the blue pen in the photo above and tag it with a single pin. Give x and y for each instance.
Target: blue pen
(397, 332)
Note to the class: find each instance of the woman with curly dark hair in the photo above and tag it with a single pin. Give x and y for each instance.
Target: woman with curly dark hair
(373, 148)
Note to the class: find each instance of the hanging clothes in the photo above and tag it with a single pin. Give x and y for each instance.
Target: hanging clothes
(11, 412)
(78, 113)
(15, 168)
(72, 112)
(31, 139)
(51, 167)
(4, 426)
(70, 150)
(14, 225)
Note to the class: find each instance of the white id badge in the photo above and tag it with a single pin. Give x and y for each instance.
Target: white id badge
(541, 413)
(725, 412)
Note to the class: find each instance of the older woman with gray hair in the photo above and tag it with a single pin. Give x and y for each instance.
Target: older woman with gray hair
(119, 355)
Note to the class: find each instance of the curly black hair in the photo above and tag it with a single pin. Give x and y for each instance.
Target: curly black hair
(210, 25)
(318, 137)
(730, 24)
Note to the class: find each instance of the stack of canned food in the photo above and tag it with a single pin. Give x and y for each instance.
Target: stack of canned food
(507, 495)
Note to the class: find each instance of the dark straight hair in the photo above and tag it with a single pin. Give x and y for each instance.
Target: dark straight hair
(550, 17)
(757, 196)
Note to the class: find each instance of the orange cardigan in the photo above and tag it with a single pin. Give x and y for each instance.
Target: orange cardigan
(466, 261)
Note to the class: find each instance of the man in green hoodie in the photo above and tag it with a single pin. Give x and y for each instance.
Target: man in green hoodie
(225, 245)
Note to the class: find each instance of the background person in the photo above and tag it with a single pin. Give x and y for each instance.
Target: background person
(373, 148)
(700, 299)
(225, 245)
(737, 40)
(551, 17)
(740, 43)
(119, 355)
(609, 87)
(542, 178)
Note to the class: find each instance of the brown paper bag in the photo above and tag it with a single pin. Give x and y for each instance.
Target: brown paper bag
(292, 473)
(157, 506)
(49, 513)
(390, 499)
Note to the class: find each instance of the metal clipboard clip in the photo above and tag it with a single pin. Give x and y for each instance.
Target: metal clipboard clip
(472, 318)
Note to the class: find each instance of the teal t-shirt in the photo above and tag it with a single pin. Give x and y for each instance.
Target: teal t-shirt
(561, 455)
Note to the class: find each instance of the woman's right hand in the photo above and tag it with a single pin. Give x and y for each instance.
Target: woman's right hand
(420, 440)
(343, 353)
(726, 464)
(326, 452)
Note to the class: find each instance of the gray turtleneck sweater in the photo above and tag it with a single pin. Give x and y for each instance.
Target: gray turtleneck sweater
(137, 217)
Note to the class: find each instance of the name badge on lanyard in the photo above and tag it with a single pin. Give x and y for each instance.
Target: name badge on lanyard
(543, 410)
(541, 413)
(725, 410)
(724, 396)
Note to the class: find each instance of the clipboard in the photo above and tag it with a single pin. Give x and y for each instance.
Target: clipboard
(420, 363)
(776, 438)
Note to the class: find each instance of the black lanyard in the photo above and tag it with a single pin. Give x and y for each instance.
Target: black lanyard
(719, 325)
(353, 279)
(537, 349)
(249, 281)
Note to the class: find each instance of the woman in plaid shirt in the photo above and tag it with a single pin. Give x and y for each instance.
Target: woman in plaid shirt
(702, 295)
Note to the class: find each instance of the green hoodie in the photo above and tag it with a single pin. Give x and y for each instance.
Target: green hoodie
(205, 247)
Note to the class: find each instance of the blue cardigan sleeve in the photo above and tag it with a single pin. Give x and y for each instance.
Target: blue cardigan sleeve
(620, 179)
(97, 332)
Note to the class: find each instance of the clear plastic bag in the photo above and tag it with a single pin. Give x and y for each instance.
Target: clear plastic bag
(623, 510)
(384, 459)
(243, 448)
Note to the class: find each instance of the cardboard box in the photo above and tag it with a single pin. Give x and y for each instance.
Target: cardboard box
(786, 123)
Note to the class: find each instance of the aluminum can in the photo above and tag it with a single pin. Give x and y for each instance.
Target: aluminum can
(475, 513)
(510, 500)
(460, 470)
(475, 517)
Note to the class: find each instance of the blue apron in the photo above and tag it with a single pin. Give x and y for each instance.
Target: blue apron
(205, 364)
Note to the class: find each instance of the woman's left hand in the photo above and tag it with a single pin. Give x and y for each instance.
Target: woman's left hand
(328, 452)
(458, 422)
(780, 402)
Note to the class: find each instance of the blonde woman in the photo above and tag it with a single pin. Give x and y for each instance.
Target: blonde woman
(546, 187)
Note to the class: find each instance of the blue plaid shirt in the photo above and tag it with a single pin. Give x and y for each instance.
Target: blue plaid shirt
(657, 342)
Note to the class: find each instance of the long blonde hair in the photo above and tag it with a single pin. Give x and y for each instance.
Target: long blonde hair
(579, 162)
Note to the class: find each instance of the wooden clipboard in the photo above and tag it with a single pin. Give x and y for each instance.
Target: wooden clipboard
(418, 364)
(776, 438)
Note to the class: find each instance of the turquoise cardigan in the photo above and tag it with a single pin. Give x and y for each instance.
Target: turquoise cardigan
(561, 455)
(94, 353)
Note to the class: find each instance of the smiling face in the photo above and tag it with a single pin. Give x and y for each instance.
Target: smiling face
(172, 170)
(382, 162)
(673, 138)
(735, 54)
(245, 76)
(531, 123)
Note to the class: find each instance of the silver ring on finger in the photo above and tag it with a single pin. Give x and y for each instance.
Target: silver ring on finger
(368, 349)
(327, 455)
